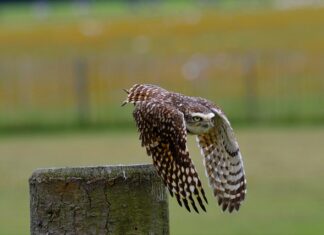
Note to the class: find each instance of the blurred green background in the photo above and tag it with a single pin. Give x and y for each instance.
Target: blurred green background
(63, 67)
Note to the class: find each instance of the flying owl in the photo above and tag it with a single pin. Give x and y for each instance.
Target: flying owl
(164, 119)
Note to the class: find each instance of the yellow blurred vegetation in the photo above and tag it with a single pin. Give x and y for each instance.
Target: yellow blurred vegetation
(266, 62)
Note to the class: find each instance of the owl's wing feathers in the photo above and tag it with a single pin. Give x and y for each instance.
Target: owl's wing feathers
(144, 92)
(223, 162)
(163, 133)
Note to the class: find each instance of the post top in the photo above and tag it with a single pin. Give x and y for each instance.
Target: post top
(92, 172)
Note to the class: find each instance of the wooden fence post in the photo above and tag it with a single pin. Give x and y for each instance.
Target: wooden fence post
(251, 87)
(82, 92)
(98, 200)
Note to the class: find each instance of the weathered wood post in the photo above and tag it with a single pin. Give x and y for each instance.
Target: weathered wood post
(98, 200)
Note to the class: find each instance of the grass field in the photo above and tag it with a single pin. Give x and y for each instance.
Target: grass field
(284, 170)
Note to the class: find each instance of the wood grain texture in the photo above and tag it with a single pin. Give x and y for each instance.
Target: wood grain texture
(98, 200)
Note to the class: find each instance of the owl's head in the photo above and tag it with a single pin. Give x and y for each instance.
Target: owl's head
(199, 122)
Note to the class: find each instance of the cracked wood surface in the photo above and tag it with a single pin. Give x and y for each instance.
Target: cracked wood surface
(98, 200)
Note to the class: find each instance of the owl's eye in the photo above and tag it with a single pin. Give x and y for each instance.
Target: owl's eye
(197, 119)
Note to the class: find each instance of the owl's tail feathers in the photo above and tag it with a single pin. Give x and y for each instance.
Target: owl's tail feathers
(142, 92)
(127, 91)
(125, 101)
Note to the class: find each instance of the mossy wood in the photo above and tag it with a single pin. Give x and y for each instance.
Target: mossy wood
(98, 200)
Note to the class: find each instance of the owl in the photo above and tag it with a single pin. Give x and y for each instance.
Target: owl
(164, 119)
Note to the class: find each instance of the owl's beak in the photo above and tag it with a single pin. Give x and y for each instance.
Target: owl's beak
(212, 123)
(209, 124)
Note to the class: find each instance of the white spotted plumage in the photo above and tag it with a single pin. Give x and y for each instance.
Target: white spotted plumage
(164, 119)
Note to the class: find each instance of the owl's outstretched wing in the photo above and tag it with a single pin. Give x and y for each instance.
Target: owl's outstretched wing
(223, 162)
(163, 133)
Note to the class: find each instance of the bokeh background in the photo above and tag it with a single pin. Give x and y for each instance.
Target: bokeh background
(63, 65)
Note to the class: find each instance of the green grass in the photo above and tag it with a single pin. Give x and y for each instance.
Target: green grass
(284, 170)
(22, 12)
